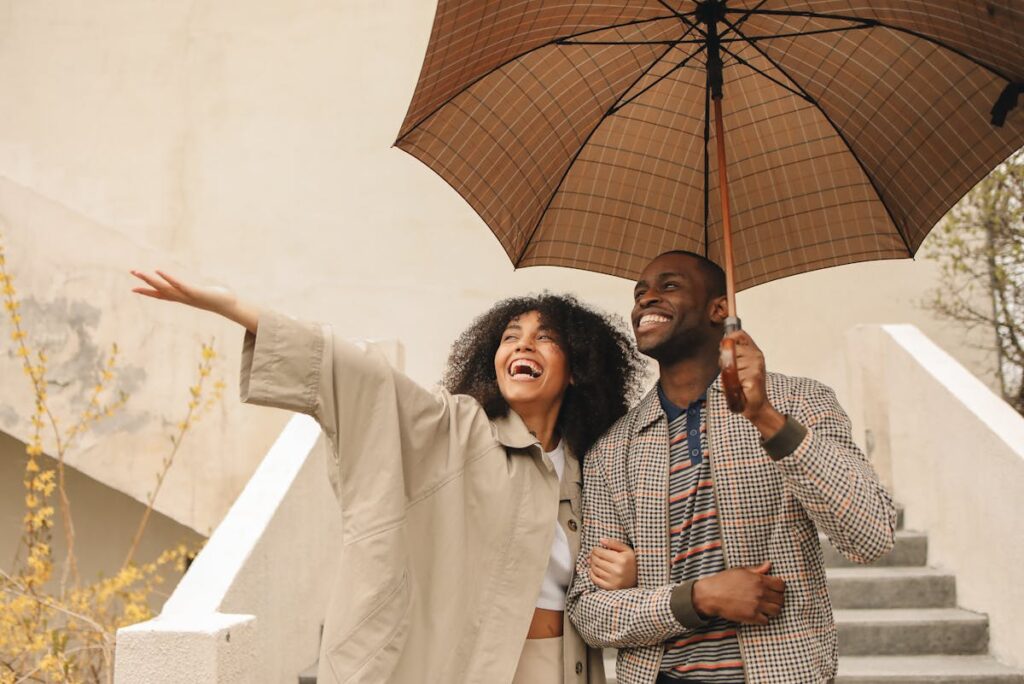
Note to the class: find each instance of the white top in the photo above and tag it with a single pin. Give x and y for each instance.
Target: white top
(559, 572)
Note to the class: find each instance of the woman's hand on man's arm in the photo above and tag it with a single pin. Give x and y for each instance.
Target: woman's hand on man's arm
(613, 565)
(219, 300)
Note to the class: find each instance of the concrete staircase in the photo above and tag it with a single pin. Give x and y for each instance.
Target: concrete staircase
(898, 623)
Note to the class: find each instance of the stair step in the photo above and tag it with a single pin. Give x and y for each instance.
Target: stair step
(922, 631)
(911, 550)
(937, 669)
(308, 676)
(918, 669)
(891, 587)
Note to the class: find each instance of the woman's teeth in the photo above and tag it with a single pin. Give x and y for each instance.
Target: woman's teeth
(525, 367)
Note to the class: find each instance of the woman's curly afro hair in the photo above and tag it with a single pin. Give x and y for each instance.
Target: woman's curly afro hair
(603, 362)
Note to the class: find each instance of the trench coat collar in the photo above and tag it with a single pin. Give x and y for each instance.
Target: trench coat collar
(649, 409)
(512, 432)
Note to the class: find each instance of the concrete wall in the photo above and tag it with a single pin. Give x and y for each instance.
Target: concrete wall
(954, 455)
(251, 607)
(248, 142)
(105, 521)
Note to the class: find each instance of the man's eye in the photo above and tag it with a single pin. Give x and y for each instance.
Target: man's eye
(508, 338)
(670, 286)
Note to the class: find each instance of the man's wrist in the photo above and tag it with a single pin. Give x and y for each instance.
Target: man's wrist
(786, 440)
(701, 601)
(768, 422)
(683, 607)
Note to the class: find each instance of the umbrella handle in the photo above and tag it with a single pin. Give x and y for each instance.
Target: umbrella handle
(734, 397)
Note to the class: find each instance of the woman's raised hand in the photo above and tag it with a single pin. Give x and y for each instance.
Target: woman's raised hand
(613, 565)
(219, 300)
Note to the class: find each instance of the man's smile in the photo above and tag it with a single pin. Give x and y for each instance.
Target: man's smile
(651, 320)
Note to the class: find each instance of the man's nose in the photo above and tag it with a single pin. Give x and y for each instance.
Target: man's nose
(648, 298)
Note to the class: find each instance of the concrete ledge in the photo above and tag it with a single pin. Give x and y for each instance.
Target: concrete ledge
(186, 649)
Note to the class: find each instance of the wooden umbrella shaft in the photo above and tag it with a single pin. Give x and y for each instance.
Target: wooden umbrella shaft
(723, 193)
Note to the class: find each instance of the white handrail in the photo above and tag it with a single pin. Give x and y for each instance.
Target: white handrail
(953, 453)
(267, 558)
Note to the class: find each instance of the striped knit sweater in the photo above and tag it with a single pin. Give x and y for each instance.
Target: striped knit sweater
(712, 652)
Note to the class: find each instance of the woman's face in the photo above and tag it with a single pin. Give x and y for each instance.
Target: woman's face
(532, 370)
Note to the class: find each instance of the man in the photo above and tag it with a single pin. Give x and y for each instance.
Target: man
(722, 509)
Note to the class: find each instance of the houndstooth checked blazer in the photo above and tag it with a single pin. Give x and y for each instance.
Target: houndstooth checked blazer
(768, 510)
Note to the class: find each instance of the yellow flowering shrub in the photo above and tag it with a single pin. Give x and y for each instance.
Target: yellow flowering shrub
(55, 626)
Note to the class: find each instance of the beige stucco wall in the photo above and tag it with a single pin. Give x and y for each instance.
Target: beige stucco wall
(105, 521)
(248, 142)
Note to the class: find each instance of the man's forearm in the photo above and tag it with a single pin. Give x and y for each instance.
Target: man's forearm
(626, 618)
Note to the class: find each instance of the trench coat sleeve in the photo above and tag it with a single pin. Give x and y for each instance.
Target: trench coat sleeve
(834, 481)
(391, 441)
(624, 617)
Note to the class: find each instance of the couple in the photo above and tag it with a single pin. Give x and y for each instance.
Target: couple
(473, 552)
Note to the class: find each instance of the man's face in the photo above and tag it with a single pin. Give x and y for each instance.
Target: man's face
(671, 308)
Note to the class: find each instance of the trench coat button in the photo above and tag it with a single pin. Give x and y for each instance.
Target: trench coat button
(579, 667)
(572, 525)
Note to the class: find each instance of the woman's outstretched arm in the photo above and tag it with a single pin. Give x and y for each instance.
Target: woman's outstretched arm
(219, 300)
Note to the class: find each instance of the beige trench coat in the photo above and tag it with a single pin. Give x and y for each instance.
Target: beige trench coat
(446, 515)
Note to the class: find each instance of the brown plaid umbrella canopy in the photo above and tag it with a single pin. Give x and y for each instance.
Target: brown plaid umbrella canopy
(582, 132)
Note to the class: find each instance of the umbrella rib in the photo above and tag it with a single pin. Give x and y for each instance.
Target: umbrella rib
(553, 41)
(619, 105)
(877, 23)
(702, 41)
(788, 88)
(807, 96)
(579, 150)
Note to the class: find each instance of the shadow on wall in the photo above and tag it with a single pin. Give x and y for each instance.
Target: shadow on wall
(66, 330)
(105, 520)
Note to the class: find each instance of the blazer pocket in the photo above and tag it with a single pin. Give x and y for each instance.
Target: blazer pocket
(370, 652)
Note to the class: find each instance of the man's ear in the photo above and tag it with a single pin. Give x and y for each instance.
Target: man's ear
(718, 309)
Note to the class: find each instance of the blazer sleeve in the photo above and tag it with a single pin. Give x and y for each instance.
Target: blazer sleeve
(625, 617)
(390, 439)
(834, 480)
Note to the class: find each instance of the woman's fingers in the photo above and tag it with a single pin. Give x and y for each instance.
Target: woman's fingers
(599, 581)
(173, 282)
(162, 287)
(604, 565)
(605, 554)
(149, 293)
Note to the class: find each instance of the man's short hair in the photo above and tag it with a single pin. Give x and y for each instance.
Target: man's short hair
(714, 276)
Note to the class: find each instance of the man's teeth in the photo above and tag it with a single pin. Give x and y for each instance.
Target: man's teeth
(652, 319)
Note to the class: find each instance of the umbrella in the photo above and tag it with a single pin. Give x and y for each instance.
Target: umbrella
(582, 132)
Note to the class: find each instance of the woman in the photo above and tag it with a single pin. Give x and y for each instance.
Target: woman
(461, 508)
